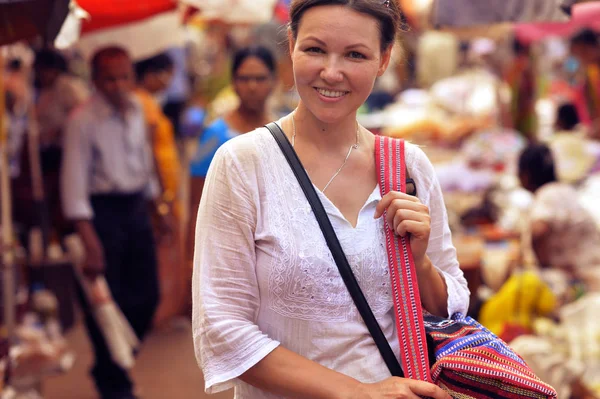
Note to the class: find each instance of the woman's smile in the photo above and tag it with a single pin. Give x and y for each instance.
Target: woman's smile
(330, 95)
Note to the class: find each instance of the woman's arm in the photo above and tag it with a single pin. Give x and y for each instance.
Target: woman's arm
(285, 373)
(433, 289)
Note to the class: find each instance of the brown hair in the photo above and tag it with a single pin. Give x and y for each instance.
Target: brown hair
(386, 12)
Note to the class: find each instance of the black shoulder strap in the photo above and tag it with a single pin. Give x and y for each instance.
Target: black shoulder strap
(411, 186)
(336, 250)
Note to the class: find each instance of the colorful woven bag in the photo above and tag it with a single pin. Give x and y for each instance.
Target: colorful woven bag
(468, 361)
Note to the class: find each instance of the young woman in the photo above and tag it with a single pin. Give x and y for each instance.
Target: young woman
(272, 316)
(254, 79)
(253, 71)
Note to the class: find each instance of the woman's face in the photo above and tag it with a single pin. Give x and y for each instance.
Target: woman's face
(253, 83)
(337, 57)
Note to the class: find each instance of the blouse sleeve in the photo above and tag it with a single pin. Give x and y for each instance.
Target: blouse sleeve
(227, 340)
(440, 250)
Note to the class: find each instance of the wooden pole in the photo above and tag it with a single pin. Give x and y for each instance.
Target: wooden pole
(8, 259)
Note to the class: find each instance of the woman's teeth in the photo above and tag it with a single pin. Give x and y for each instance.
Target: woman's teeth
(331, 93)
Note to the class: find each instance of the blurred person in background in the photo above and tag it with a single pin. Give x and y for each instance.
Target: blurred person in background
(574, 154)
(585, 46)
(564, 236)
(17, 101)
(154, 76)
(107, 181)
(59, 93)
(178, 92)
(520, 77)
(254, 73)
(567, 118)
(254, 79)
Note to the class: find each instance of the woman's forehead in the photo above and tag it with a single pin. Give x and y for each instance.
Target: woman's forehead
(339, 25)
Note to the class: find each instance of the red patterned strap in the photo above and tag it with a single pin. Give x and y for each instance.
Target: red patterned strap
(405, 289)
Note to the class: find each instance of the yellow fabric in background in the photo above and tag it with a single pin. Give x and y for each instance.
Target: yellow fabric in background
(163, 146)
(520, 300)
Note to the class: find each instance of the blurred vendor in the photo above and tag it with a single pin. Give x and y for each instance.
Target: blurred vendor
(107, 182)
(254, 79)
(564, 235)
(154, 75)
(59, 93)
(585, 46)
(521, 79)
(574, 154)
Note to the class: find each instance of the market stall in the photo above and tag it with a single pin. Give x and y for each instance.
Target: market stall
(31, 308)
(32, 344)
(456, 112)
(459, 119)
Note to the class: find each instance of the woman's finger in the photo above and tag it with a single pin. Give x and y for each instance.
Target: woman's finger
(428, 390)
(402, 204)
(407, 395)
(417, 229)
(387, 200)
(407, 214)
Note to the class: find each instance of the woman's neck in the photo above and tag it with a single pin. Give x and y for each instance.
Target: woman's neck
(325, 136)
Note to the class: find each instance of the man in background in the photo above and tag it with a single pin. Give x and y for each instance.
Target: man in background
(107, 179)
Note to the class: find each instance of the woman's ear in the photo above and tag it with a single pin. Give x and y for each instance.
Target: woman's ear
(291, 41)
(385, 61)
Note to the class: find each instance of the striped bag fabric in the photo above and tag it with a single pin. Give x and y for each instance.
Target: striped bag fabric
(457, 354)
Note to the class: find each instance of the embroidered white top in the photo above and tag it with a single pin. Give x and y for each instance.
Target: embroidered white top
(263, 275)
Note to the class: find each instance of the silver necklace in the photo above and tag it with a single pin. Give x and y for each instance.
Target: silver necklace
(352, 147)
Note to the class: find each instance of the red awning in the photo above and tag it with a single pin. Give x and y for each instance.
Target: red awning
(26, 19)
(585, 15)
(109, 13)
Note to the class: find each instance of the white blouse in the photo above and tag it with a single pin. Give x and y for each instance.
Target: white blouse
(264, 277)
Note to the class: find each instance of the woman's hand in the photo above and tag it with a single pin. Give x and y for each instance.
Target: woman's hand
(407, 215)
(399, 388)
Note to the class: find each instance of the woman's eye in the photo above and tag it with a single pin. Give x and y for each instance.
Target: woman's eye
(313, 50)
(356, 54)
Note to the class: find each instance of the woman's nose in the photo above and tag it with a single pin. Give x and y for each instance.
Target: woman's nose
(332, 71)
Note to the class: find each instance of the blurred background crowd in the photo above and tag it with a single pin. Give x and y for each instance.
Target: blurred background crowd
(505, 102)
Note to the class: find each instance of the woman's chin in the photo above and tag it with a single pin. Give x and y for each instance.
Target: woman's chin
(330, 116)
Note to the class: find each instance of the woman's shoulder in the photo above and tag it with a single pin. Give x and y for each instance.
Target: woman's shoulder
(414, 152)
(417, 162)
